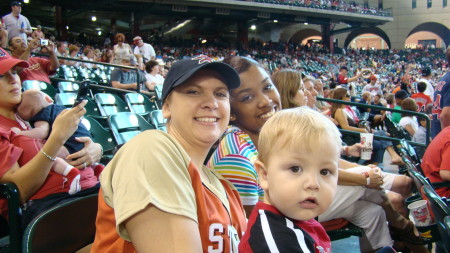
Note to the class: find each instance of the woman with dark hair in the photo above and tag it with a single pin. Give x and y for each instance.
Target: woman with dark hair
(252, 104)
(27, 161)
(121, 48)
(408, 121)
(348, 120)
(152, 75)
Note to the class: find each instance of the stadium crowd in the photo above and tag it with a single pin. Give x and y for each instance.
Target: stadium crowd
(213, 83)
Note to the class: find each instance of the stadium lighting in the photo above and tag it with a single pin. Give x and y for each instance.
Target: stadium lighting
(99, 33)
(67, 27)
(204, 41)
(26, 1)
(275, 21)
(94, 18)
(306, 23)
(253, 27)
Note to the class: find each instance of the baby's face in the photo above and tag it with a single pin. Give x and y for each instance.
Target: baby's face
(300, 184)
(32, 102)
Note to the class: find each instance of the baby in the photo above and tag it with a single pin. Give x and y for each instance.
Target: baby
(297, 167)
(37, 108)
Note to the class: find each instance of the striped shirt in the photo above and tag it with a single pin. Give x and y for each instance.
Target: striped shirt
(233, 159)
(269, 231)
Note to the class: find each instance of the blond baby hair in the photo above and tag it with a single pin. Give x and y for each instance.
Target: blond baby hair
(295, 127)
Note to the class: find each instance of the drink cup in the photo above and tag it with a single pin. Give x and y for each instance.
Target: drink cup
(367, 142)
(420, 213)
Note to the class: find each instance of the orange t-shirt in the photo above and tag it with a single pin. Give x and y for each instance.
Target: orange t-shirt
(214, 220)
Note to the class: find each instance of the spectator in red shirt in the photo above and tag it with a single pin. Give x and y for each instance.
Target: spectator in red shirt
(343, 80)
(436, 161)
(40, 68)
(423, 101)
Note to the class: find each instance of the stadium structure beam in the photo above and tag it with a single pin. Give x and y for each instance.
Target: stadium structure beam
(344, 30)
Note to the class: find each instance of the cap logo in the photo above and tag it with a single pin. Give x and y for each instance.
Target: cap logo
(2, 54)
(202, 59)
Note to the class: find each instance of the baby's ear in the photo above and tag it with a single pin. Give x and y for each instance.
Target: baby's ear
(48, 98)
(262, 174)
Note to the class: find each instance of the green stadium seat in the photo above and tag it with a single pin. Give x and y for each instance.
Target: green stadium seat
(140, 104)
(126, 125)
(67, 227)
(68, 87)
(43, 86)
(158, 120)
(109, 104)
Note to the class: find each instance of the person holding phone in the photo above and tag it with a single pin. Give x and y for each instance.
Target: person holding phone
(27, 162)
(40, 68)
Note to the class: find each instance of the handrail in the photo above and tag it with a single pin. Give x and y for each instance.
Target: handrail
(138, 81)
(418, 114)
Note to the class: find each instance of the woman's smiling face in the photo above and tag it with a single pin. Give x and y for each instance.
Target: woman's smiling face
(255, 101)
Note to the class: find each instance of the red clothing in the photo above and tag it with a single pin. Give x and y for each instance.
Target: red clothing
(21, 149)
(211, 216)
(342, 79)
(268, 230)
(436, 158)
(39, 70)
(422, 101)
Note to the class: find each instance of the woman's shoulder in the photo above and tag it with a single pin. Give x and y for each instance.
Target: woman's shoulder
(235, 134)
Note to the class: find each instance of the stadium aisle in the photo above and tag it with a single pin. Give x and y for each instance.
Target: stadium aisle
(347, 245)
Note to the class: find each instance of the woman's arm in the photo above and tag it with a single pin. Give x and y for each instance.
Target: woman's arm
(410, 130)
(153, 230)
(31, 176)
(40, 130)
(91, 153)
(343, 122)
(354, 179)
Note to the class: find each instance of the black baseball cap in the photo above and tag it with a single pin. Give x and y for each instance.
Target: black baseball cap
(16, 3)
(401, 94)
(426, 71)
(343, 67)
(182, 70)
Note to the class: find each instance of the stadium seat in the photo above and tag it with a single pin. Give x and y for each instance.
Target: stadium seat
(65, 99)
(102, 136)
(126, 125)
(43, 86)
(10, 192)
(338, 229)
(67, 227)
(109, 104)
(157, 120)
(68, 87)
(158, 91)
(440, 209)
(140, 104)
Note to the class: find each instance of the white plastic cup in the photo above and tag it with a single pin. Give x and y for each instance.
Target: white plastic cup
(420, 213)
(367, 142)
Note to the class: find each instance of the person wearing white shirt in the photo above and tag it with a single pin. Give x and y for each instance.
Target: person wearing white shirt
(17, 25)
(426, 77)
(152, 75)
(144, 49)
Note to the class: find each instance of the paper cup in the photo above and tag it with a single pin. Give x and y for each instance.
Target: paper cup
(420, 213)
(367, 142)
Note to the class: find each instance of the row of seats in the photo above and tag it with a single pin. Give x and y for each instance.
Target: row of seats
(439, 232)
(111, 120)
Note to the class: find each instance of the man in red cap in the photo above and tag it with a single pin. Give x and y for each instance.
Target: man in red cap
(373, 87)
(144, 49)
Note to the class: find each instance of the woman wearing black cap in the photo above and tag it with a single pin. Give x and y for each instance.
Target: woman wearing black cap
(156, 195)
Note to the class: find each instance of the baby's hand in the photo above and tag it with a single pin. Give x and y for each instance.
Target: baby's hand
(16, 130)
